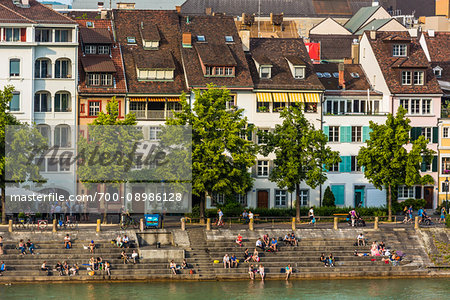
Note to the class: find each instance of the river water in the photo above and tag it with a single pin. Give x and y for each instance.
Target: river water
(274, 290)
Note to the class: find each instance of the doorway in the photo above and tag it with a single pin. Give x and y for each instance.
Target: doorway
(263, 199)
(359, 196)
(428, 196)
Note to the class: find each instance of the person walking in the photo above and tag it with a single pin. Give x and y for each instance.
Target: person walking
(443, 213)
(311, 216)
(220, 213)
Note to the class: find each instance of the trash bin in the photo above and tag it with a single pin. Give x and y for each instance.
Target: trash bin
(158, 245)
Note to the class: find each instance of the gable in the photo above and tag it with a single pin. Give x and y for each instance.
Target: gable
(329, 26)
(380, 13)
(393, 25)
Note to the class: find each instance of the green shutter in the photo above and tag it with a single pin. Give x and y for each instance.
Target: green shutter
(423, 165)
(415, 133)
(434, 164)
(250, 132)
(339, 194)
(435, 135)
(346, 164)
(326, 131)
(346, 134)
(366, 133)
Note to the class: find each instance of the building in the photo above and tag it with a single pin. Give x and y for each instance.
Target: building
(396, 65)
(350, 103)
(38, 52)
(282, 75)
(127, 4)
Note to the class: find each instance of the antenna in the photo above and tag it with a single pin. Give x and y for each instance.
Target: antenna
(259, 18)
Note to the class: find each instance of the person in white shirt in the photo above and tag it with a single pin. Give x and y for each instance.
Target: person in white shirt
(311, 216)
(226, 261)
(260, 244)
(360, 239)
(134, 256)
(250, 215)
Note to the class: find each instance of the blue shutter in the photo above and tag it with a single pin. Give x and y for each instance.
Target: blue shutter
(366, 133)
(326, 131)
(339, 194)
(346, 164)
(346, 134)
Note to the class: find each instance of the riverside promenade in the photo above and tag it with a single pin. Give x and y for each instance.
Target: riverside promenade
(424, 250)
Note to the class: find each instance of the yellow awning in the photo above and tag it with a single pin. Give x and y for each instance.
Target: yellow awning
(280, 97)
(157, 99)
(264, 97)
(296, 97)
(312, 97)
(173, 99)
(138, 99)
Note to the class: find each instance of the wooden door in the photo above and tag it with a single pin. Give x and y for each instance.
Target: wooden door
(428, 196)
(263, 199)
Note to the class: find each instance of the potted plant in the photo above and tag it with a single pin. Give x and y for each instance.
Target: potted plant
(262, 108)
(21, 217)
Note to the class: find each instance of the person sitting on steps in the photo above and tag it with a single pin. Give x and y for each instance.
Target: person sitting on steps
(294, 241)
(134, 256)
(274, 244)
(239, 240)
(324, 259)
(173, 267)
(22, 248)
(361, 240)
(259, 244)
(91, 246)
(67, 242)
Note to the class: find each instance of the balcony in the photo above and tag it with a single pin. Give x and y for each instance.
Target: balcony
(153, 114)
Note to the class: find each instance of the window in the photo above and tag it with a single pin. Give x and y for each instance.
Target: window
(426, 106)
(14, 104)
(93, 79)
(105, 79)
(405, 192)
(406, 77)
(103, 50)
(334, 168)
(263, 168)
(399, 50)
(310, 107)
(12, 34)
(333, 135)
(437, 72)
(131, 40)
(228, 71)
(262, 106)
(90, 49)
(356, 134)
(354, 165)
(261, 140)
(64, 164)
(335, 107)
(426, 132)
(299, 73)
(278, 106)
(445, 132)
(418, 77)
(304, 197)
(201, 38)
(241, 199)
(62, 68)
(14, 67)
(62, 102)
(90, 24)
(152, 74)
(52, 165)
(94, 108)
(405, 104)
(229, 39)
(61, 35)
(41, 68)
(155, 131)
(208, 71)
(446, 165)
(42, 102)
(62, 136)
(151, 45)
(415, 106)
(45, 131)
(264, 72)
(280, 197)
(219, 71)
(231, 103)
(43, 35)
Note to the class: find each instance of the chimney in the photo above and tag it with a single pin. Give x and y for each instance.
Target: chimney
(373, 35)
(348, 61)
(430, 32)
(25, 3)
(245, 38)
(375, 3)
(208, 11)
(103, 14)
(355, 53)
(341, 76)
(187, 40)
(100, 5)
(178, 8)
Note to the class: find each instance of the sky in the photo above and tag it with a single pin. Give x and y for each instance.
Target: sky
(61, 1)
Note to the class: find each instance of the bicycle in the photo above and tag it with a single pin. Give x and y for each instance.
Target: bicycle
(129, 222)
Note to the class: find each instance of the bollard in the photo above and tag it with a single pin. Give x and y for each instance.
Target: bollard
(10, 225)
(293, 224)
(375, 224)
(335, 227)
(395, 219)
(141, 225)
(98, 225)
(208, 224)
(250, 225)
(54, 225)
(183, 224)
(416, 223)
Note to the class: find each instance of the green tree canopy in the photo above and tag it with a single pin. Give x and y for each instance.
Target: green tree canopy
(301, 153)
(221, 154)
(386, 161)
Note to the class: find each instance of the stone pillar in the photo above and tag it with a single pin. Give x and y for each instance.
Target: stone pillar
(375, 224)
(293, 224)
(10, 223)
(208, 224)
(54, 225)
(416, 223)
(141, 225)
(250, 225)
(183, 224)
(335, 226)
(98, 225)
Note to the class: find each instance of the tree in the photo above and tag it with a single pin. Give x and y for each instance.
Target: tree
(221, 154)
(328, 198)
(301, 153)
(104, 157)
(386, 161)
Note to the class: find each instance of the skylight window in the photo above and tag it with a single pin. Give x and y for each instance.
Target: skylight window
(131, 40)
(201, 38)
(229, 39)
(327, 75)
(336, 75)
(320, 75)
(355, 75)
(89, 24)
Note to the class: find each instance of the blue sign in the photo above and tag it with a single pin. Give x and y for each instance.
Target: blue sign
(152, 221)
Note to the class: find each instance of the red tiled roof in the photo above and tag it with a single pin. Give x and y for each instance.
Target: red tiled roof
(116, 58)
(127, 24)
(98, 64)
(95, 35)
(35, 13)
(334, 46)
(438, 46)
(391, 66)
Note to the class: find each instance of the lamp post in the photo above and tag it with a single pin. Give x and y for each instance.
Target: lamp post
(446, 195)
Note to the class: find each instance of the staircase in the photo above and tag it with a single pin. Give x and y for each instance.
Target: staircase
(198, 255)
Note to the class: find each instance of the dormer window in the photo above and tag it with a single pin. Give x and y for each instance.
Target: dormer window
(219, 71)
(297, 66)
(90, 49)
(399, 50)
(151, 45)
(299, 72)
(413, 77)
(155, 74)
(437, 72)
(131, 40)
(406, 78)
(418, 77)
(103, 50)
(265, 72)
(229, 39)
(150, 35)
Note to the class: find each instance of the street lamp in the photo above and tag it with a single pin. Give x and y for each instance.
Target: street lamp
(446, 195)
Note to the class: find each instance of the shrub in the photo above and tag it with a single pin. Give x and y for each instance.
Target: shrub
(447, 221)
(416, 203)
(328, 198)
